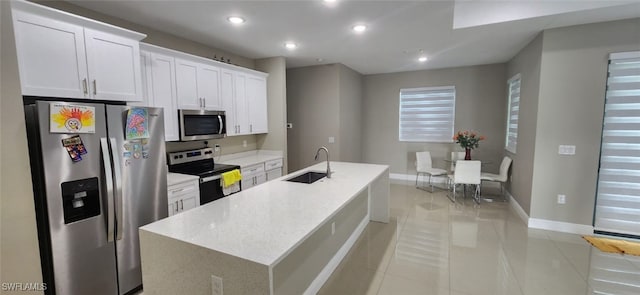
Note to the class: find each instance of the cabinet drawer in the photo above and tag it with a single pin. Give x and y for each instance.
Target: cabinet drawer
(183, 188)
(253, 169)
(273, 164)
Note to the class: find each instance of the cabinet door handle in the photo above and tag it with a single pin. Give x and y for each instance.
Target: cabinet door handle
(95, 87)
(250, 127)
(181, 205)
(177, 190)
(84, 86)
(177, 208)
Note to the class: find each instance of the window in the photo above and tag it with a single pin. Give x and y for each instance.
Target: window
(512, 117)
(618, 193)
(427, 114)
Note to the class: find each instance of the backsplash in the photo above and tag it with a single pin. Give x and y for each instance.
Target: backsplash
(228, 145)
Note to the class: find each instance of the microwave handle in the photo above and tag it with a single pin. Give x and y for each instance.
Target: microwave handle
(221, 126)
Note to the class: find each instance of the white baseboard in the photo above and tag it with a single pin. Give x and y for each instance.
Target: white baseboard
(516, 207)
(326, 272)
(572, 228)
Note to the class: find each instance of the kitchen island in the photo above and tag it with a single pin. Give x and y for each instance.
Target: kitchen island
(278, 238)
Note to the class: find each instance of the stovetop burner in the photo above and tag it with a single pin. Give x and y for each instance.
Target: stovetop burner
(197, 162)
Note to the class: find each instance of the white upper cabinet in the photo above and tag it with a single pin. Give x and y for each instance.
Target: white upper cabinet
(244, 99)
(62, 55)
(164, 92)
(51, 56)
(198, 85)
(114, 66)
(256, 97)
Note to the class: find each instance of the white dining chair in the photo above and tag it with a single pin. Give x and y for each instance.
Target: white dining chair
(424, 166)
(466, 173)
(455, 156)
(501, 178)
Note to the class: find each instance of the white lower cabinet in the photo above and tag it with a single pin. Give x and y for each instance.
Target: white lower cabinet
(273, 168)
(253, 175)
(183, 196)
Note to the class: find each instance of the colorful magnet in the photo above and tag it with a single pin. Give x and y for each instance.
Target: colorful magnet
(137, 147)
(68, 118)
(126, 155)
(126, 146)
(136, 155)
(75, 148)
(145, 155)
(137, 121)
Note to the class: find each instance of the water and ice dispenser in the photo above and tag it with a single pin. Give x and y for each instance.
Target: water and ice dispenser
(80, 199)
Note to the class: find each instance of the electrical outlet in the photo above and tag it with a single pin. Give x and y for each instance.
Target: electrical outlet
(332, 139)
(244, 143)
(216, 285)
(333, 228)
(216, 147)
(562, 199)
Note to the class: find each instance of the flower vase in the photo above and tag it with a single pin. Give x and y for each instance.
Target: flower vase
(467, 154)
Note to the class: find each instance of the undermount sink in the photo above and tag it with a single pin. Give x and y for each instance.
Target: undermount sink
(309, 177)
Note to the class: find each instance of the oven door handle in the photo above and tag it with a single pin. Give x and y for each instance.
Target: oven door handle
(210, 178)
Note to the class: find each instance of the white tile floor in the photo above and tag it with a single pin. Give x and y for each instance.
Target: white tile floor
(433, 246)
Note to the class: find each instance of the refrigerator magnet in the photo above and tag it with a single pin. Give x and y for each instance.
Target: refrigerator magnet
(137, 121)
(136, 155)
(145, 155)
(126, 155)
(68, 118)
(75, 148)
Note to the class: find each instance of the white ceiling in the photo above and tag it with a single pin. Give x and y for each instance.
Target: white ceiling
(398, 31)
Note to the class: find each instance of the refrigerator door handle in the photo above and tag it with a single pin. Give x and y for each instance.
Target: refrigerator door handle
(109, 183)
(118, 189)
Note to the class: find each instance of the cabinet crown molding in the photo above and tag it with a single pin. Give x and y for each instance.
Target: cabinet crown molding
(60, 15)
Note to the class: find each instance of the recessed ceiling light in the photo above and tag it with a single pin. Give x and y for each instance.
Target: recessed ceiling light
(359, 28)
(329, 1)
(422, 59)
(291, 45)
(235, 20)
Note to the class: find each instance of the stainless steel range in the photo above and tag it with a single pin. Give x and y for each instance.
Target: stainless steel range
(201, 163)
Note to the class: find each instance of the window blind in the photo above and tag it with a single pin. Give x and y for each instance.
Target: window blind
(618, 194)
(512, 117)
(427, 114)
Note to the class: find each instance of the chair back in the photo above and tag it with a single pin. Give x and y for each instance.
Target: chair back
(504, 168)
(467, 172)
(423, 161)
(455, 156)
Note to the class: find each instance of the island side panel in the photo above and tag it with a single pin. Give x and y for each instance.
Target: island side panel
(294, 273)
(170, 266)
(379, 193)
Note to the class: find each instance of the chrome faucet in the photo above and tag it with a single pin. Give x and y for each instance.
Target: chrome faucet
(316, 158)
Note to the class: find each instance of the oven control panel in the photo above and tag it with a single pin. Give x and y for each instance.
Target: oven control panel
(190, 156)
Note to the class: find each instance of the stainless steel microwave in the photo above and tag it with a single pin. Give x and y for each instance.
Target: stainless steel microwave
(201, 124)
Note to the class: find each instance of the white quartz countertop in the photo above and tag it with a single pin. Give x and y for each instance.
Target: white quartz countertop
(263, 224)
(250, 160)
(175, 178)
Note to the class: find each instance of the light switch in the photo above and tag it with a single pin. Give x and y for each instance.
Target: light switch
(332, 139)
(567, 150)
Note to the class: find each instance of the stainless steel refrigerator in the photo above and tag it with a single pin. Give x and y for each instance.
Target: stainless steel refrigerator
(99, 172)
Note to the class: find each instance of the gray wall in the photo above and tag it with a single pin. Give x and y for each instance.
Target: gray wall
(570, 109)
(324, 101)
(18, 235)
(350, 114)
(276, 139)
(527, 64)
(480, 106)
(313, 108)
